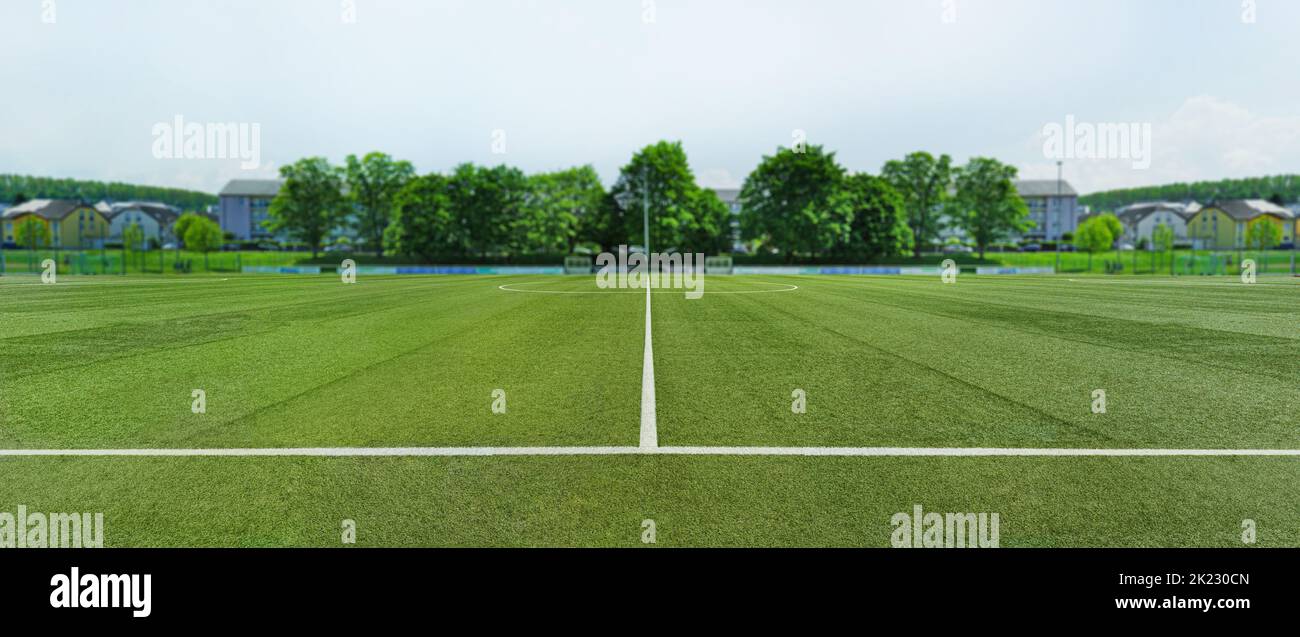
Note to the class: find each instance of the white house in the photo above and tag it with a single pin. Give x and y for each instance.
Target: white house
(155, 219)
(1141, 219)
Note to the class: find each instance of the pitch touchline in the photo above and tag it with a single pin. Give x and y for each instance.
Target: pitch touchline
(649, 426)
(921, 452)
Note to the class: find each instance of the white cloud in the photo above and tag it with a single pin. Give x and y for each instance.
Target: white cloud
(586, 81)
(1205, 138)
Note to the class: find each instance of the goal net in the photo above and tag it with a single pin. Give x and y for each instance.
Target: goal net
(577, 265)
(717, 265)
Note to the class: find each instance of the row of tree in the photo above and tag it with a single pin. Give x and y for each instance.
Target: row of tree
(801, 202)
(16, 189)
(199, 233)
(500, 211)
(1103, 232)
(1280, 189)
(798, 202)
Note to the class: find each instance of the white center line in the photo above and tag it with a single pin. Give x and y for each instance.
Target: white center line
(649, 428)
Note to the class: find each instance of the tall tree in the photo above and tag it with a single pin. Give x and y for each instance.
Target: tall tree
(423, 225)
(1162, 241)
(133, 237)
(681, 217)
(561, 205)
(373, 181)
(1264, 235)
(877, 220)
(203, 235)
(1162, 238)
(486, 203)
(133, 242)
(608, 227)
(311, 202)
(923, 182)
(1093, 236)
(786, 202)
(987, 206)
(182, 226)
(31, 233)
(708, 229)
(1113, 226)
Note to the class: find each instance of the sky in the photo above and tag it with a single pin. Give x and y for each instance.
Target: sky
(549, 84)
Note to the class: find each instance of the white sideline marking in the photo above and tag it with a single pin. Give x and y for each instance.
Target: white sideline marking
(921, 452)
(649, 427)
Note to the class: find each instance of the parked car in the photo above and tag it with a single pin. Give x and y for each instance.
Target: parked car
(1289, 245)
(1032, 247)
(957, 249)
(169, 246)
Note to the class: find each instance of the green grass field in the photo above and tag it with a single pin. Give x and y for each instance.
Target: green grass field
(1188, 363)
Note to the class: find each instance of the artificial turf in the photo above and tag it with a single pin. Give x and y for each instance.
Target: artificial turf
(994, 362)
(412, 361)
(311, 362)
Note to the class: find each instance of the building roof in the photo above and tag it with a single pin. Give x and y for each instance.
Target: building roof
(51, 209)
(162, 213)
(1247, 209)
(1045, 188)
(252, 188)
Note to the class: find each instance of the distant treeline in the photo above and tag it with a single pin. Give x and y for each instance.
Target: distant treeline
(799, 203)
(1280, 189)
(16, 188)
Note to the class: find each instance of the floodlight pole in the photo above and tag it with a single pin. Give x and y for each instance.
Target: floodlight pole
(1060, 214)
(645, 207)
